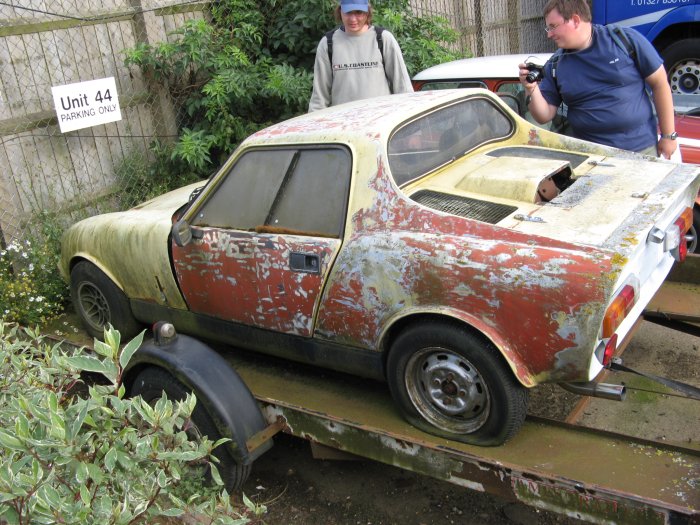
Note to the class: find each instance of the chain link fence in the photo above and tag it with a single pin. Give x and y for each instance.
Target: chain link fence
(93, 170)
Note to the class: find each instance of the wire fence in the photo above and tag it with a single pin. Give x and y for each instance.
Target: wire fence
(44, 44)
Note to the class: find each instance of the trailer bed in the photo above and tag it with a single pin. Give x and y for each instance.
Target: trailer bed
(589, 474)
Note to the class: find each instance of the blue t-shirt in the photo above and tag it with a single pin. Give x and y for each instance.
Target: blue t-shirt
(604, 90)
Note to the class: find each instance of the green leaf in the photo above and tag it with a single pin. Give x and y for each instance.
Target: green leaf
(81, 473)
(172, 512)
(103, 349)
(110, 459)
(77, 423)
(113, 339)
(88, 364)
(58, 426)
(215, 476)
(10, 441)
(53, 402)
(130, 348)
(85, 495)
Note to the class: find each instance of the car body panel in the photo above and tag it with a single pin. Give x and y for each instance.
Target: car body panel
(131, 248)
(536, 281)
(246, 278)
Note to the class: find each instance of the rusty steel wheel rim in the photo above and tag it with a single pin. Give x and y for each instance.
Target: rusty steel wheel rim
(447, 390)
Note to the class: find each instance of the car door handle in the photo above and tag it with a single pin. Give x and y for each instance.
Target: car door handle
(305, 262)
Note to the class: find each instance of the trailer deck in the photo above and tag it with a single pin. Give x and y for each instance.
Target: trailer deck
(589, 474)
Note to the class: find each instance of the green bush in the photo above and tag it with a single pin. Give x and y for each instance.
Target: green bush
(74, 453)
(252, 65)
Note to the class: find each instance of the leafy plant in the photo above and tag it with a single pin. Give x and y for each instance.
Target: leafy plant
(142, 177)
(31, 289)
(75, 453)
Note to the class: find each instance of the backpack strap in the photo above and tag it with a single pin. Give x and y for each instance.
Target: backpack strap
(329, 43)
(622, 41)
(380, 44)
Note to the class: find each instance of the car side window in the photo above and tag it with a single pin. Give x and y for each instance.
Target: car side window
(313, 199)
(436, 138)
(300, 191)
(243, 199)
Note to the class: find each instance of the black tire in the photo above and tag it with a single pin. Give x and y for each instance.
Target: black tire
(694, 244)
(150, 384)
(682, 63)
(452, 383)
(99, 302)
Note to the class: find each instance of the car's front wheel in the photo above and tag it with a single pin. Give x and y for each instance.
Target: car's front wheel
(450, 382)
(99, 302)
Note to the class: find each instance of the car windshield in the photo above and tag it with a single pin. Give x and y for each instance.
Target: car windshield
(436, 138)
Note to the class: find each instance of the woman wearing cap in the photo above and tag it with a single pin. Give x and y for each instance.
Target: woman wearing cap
(359, 68)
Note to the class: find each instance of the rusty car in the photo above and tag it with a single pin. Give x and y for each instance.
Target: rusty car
(435, 241)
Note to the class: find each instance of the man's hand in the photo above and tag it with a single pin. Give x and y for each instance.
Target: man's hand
(539, 108)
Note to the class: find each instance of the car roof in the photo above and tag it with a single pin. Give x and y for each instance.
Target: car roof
(373, 117)
(481, 68)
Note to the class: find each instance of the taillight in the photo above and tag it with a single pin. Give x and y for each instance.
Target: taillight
(674, 238)
(620, 306)
(610, 348)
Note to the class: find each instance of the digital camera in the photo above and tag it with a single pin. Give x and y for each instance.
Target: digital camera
(536, 72)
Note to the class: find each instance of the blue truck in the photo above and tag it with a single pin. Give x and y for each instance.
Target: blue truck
(673, 26)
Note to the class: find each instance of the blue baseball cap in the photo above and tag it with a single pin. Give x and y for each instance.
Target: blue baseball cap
(347, 6)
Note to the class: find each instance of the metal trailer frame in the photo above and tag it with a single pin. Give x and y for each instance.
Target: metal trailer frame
(590, 475)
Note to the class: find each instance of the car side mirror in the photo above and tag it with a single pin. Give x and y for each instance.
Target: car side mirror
(182, 233)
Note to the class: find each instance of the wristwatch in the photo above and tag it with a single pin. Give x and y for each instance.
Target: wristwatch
(671, 136)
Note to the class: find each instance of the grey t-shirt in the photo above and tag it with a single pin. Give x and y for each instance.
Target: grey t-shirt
(358, 69)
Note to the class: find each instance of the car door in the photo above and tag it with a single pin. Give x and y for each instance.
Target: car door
(266, 237)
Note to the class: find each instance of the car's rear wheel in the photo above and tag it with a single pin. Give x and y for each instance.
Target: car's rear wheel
(453, 383)
(99, 302)
(150, 384)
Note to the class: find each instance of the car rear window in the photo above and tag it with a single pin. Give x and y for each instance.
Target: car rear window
(437, 138)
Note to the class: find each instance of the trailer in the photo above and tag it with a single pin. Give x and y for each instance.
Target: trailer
(588, 466)
(590, 474)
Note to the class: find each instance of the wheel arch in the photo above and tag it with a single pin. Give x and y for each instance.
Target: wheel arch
(488, 335)
(220, 389)
(85, 257)
(673, 33)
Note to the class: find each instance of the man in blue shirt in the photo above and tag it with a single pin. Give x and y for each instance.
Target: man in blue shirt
(602, 84)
